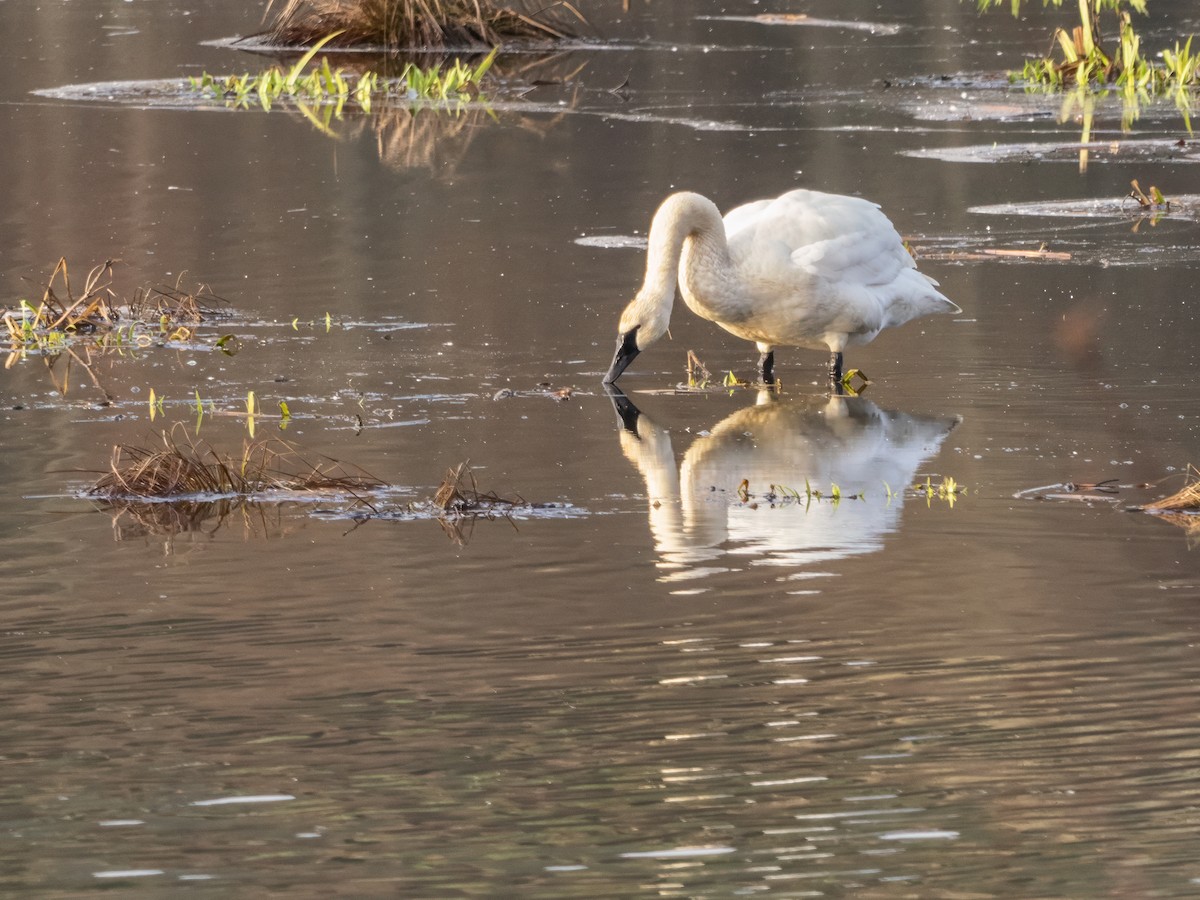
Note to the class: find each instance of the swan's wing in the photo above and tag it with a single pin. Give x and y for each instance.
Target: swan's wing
(844, 239)
(744, 216)
(846, 243)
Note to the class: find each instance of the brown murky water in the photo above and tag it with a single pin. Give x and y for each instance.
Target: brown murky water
(654, 686)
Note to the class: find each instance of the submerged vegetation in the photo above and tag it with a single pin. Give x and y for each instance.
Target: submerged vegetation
(392, 24)
(1104, 50)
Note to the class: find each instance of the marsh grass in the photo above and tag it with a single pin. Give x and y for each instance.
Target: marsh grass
(392, 24)
(183, 468)
(60, 310)
(60, 314)
(1181, 509)
(1086, 57)
(82, 329)
(323, 94)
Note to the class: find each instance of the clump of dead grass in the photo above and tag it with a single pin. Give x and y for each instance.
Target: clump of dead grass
(98, 308)
(460, 504)
(419, 23)
(97, 323)
(1186, 499)
(459, 494)
(1182, 508)
(182, 467)
(175, 305)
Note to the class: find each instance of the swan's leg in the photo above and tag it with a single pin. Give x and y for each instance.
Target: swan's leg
(766, 366)
(835, 367)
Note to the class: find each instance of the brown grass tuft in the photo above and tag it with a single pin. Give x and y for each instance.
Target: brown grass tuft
(459, 493)
(98, 309)
(418, 23)
(1185, 499)
(92, 310)
(462, 504)
(176, 305)
(185, 468)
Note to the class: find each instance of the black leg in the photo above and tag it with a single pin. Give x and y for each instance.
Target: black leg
(835, 368)
(766, 367)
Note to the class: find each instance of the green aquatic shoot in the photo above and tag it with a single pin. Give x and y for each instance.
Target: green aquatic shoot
(948, 491)
(156, 405)
(334, 88)
(850, 386)
(1081, 58)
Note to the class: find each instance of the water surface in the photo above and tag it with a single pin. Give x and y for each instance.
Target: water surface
(676, 690)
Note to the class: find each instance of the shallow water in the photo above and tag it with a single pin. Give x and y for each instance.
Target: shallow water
(654, 684)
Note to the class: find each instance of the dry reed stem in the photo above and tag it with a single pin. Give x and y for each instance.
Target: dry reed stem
(56, 314)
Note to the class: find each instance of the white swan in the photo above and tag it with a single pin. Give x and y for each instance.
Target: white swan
(806, 269)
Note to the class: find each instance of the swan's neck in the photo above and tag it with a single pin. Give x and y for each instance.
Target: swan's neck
(688, 227)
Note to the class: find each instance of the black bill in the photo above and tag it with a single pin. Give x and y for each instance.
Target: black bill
(627, 349)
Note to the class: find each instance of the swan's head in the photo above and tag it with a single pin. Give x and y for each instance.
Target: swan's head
(642, 323)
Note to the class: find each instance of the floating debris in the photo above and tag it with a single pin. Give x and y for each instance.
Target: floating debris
(1086, 492)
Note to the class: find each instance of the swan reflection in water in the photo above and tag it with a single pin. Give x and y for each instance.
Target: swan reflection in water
(697, 517)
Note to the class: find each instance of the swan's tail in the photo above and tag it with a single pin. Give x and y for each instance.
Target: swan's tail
(917, 296)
